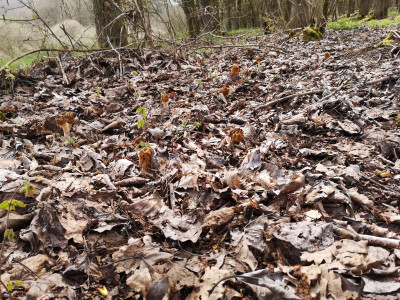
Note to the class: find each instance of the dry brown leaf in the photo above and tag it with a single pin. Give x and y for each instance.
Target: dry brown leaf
(172, 95)
(219, 217)
(298, 181)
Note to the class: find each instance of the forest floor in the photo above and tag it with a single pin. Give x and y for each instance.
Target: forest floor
(283, 169)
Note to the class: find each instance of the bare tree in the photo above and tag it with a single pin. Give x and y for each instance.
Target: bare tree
(110, 24)
(364, 7)
(351, 7)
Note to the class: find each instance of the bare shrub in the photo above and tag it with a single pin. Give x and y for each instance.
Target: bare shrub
(75, 32)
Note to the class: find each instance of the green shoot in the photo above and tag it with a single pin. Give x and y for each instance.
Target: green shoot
(143, 121)
(27, 189)
(11, 283)
(142, 145)
(10, 205)
(69, 141)
(98, 91)
(184, 125)
(3, 116)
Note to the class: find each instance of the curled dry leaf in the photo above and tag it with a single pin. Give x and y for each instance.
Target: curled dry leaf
(298, 181)
(258, 59)
(326, 55)
(224, 91)
(236, 136)
(219, 217)
(159, 289)
(119, 122)
(145, 156)
(65, 121)
(172, 95)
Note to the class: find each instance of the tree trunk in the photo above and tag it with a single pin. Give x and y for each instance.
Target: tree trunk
(285, 8)
(381, 9)
(351, 7)
(364, 7)
(228, 14)
(300, 14)
(190, 9)
(107, 26)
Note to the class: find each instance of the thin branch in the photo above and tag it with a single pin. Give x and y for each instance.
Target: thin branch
(44, 22)
(229, 277)
(273, 102)
(57, 50)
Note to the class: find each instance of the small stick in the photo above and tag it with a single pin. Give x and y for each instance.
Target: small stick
(57, 50)
(383, 79)
(229, 277)
(65, 77)
(273, 102)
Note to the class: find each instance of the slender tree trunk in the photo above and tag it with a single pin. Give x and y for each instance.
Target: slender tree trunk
(104, 14)
(285, 8)
(299, 16)
(351, 7)
(190, 9)
(228, 6)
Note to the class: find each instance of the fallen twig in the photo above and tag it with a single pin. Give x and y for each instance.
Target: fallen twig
(383, 79)
(273, 102)
(65, 77)
(57, 50)
(381, 241)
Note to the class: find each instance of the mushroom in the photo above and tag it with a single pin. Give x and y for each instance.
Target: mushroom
(164, 99)
(65, 122)
(224, 91)
(145, 158)
(236, 136)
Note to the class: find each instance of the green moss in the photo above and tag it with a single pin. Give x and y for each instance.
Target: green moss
(312, 34)
(294, 33)
(3, 116)
(366, 19)
(388, 40)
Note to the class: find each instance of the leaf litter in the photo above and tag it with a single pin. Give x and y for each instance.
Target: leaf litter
(252, 173)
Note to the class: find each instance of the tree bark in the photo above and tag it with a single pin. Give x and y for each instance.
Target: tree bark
(190, 9)
(364, 8)
(107, 24)
(351, 7)
(381, 9)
